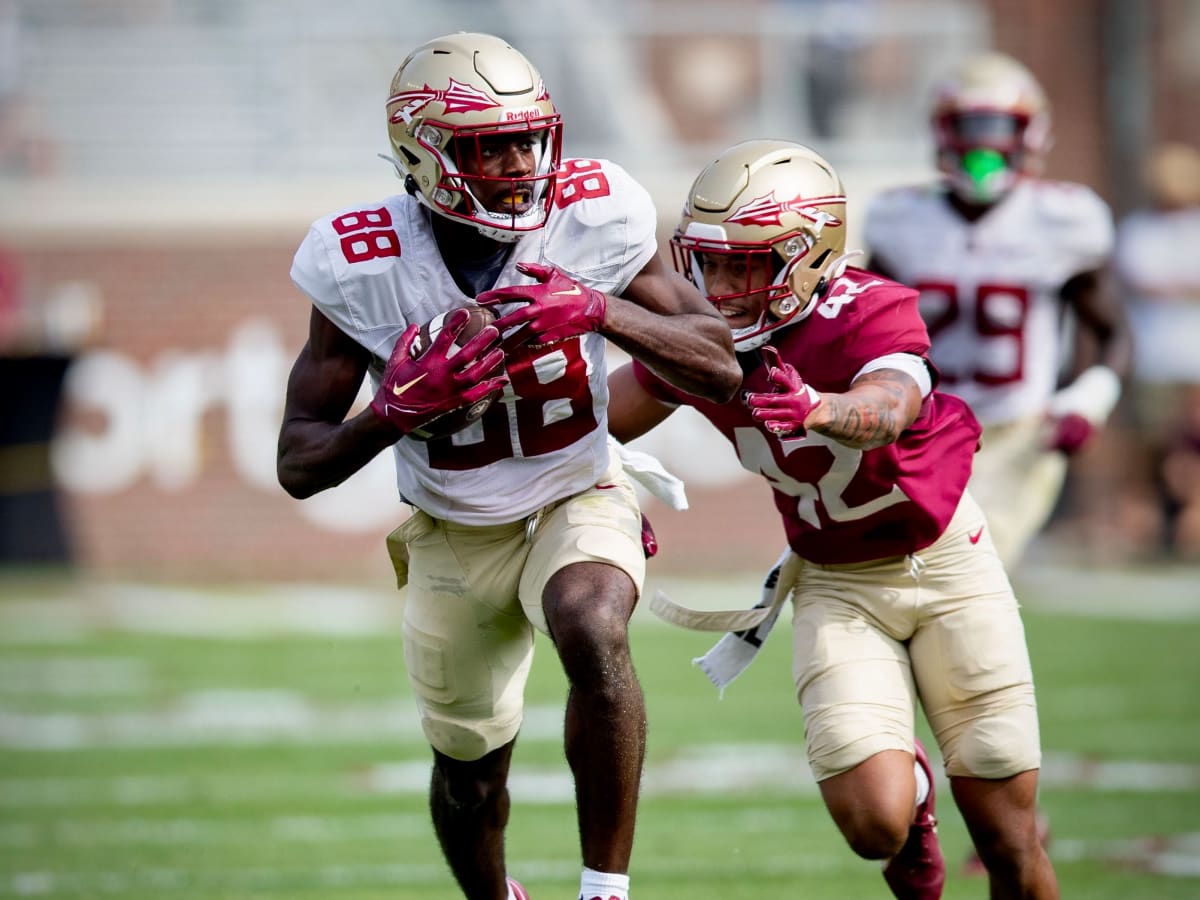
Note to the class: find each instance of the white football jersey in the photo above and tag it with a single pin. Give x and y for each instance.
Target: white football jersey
(375, 268)
(990, 289)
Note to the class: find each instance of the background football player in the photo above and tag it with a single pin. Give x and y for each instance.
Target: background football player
(899, 596)
(521, 520)
(1003, 262)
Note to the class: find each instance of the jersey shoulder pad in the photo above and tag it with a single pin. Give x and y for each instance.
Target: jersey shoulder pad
(890, 215)
(603, 227)
(1080, 221)
(900, 201)
(877, 316)
(594, 191)
(361, 234)
(338, 263)
(870, 289)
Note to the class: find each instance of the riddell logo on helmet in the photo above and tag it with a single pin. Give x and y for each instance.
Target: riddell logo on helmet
(769, 211)
(521, 115)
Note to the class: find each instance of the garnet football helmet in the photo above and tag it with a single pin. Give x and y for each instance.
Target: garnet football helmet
(772, 198)
(991, 123)
(447, 98)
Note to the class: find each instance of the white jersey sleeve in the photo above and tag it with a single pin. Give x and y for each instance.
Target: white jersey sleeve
(374, 269)
(889, 220)
(362, 266)
(1077, 222)
(603, 229)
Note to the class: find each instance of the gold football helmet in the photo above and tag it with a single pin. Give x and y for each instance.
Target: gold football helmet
(991, 123)
(772, 198)
(447, 98)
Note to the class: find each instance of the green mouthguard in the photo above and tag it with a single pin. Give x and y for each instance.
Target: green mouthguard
(981, 165)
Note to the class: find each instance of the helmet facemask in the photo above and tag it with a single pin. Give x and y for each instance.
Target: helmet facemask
(982, 152)
(765, 200)
(772, 295)
(991, 124)
(461, 153)
(453, 100)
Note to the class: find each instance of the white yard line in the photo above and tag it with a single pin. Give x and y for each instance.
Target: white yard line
(73, 676)
(700, 770)
(237, 718)
(255, 611)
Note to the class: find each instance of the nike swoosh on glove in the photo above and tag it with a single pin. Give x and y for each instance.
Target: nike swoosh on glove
(784, 409)
(557, 307)
(414, 392)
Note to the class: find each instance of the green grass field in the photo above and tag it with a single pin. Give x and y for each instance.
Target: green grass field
(159, 742)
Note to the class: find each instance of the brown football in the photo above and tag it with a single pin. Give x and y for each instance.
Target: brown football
(456, 419)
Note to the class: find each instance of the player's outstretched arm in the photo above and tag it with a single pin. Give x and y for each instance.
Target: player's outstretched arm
(632, 411)
(878, 407)
(873, 413)
(318, 446)
(660, 319)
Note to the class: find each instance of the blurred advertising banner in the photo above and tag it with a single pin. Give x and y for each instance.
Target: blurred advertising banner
(163, 451)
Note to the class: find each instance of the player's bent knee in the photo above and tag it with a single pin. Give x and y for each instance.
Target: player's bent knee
(996, 748)
(836, 743)
(874, 837)
(467, 740)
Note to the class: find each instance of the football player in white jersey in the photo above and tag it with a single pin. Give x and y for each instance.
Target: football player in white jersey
(522, 519)
(1000, 258)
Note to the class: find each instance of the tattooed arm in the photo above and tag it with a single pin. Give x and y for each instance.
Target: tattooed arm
(878, 406)
(883, 400)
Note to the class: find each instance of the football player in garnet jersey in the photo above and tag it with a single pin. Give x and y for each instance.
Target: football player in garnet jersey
(899, 597)
(998, 256)
(521, 520)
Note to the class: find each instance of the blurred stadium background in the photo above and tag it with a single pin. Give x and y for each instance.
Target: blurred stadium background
(200, 689)
(160, 160)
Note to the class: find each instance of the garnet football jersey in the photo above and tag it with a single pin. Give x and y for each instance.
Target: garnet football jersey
(842, 505)
(990, 289)
(374, 269)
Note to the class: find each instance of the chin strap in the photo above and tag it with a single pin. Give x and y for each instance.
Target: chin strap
(389, 158)
(838, 266)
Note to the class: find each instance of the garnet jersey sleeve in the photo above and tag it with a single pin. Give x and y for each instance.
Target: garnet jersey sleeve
(862, 318)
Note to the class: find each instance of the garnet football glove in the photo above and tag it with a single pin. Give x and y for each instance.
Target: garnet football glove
(784, 409)
(556, 308)
(1081, 408)
(649, 541)
(414, 392)
(1070, 433)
